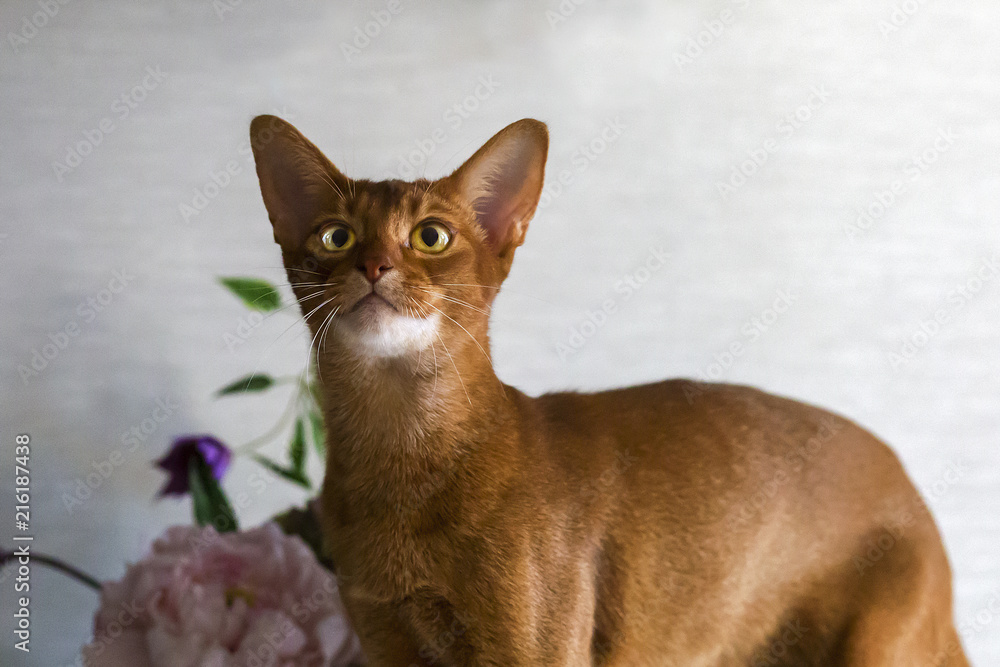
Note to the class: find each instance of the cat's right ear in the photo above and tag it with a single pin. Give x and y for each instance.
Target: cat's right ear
(296, 179)
(503, 182)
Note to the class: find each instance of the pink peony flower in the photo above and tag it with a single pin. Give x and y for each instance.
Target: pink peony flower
(202, 599)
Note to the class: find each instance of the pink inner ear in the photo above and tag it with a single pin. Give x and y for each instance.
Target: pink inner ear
(295, 178)
(294, 186)
(508, 190)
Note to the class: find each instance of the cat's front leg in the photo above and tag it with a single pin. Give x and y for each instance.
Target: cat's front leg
(386, 639)
(513, 645)
(420, 630)
(510, 626)
(529, 602)
(472, 633)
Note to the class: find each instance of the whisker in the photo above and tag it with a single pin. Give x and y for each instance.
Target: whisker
(429, 305)
(326, 177)
(296, 302)
(312, 341)
(455, 366)
(285, 268)
(286, 283)
(437, 372)
(494, 287)
(320, 330)
(485, 354)
(306, 317)
(281, 335)
(433, 351)
(304, 379)
(326, 329)
(420, 351)
(450, 298)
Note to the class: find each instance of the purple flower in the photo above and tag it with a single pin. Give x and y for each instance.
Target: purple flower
(176, 462)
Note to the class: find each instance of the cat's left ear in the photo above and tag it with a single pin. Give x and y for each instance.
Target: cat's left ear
(503, 182)
(296, 179)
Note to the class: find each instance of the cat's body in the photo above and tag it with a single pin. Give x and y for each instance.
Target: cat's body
(670, 524)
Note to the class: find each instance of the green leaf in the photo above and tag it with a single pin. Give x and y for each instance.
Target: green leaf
(304, 523)
(254, 292)
(211, 506)
(297, 450)
(318, 431)
(249, 383)
(281, 471)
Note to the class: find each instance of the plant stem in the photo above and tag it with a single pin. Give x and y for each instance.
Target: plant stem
(273, 432)
(56, 564)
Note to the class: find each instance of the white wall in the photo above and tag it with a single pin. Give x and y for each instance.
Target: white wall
(857, 297)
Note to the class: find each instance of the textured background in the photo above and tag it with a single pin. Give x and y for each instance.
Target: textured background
(646, 124)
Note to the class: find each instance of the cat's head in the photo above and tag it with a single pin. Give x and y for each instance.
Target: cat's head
(387, 268)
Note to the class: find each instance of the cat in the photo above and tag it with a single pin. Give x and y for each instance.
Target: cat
(676, 523)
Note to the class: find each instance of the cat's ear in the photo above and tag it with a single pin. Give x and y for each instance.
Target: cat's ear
(296, 179)
(503, 182)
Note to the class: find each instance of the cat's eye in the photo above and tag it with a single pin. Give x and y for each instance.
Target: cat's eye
(430, 237)
(336, 237)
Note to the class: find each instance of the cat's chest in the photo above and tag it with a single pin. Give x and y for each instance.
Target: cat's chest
(385, 560)
(396, 502)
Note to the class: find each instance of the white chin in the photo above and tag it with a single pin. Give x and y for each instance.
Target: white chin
(386, 333)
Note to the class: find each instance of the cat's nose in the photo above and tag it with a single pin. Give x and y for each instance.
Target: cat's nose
(375, 267)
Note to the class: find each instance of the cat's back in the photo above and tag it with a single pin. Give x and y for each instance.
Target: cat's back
(696, 491)
(704, 442)
(677, 416)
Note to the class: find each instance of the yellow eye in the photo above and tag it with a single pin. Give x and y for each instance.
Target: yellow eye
(337, 237)
(430, 237)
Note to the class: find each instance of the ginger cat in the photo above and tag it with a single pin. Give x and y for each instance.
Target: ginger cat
(671, 524)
